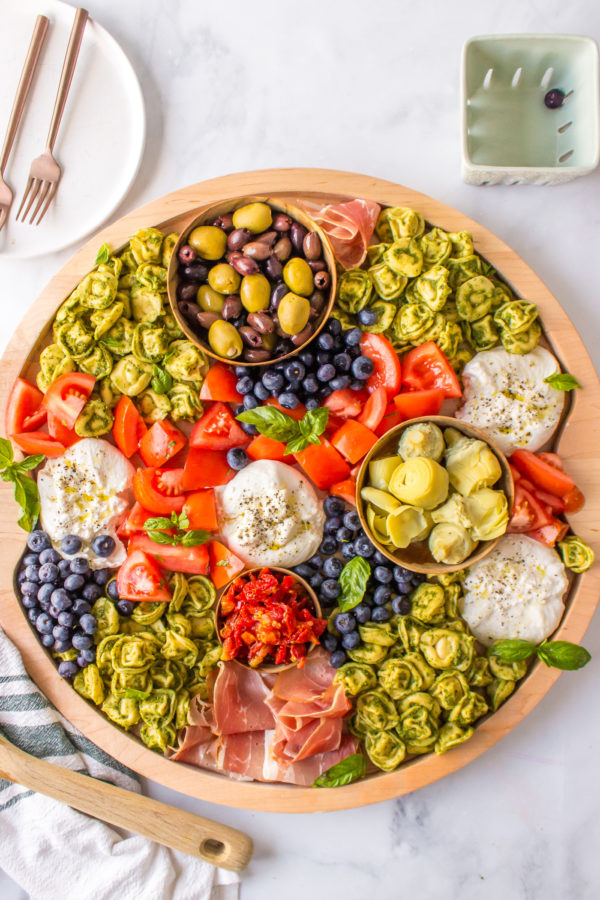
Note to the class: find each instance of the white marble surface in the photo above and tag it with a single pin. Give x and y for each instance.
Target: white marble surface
(374, 87)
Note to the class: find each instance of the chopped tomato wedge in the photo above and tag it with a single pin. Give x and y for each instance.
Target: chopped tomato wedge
(201, 510)
(323, 464)
(374, 409)
(345, 404)
(544, 475)
(66, 436)
(160, 491)
(528, 513)
(38, 442)
(24, 411)
(134, 521)
(224, 564)
(574, 500)
(217, 430)
(220, 384)
(263, 447)
(296, 413)
(129, 427)
(391, 418)
(353, 440)
(67, 395)
(206, 469)
(556, 504)
(553, 459)
(426, 367)
(345, 489)
(414, 404)
(161, 442)
(549, 534)
(140, 579)
(388, 370)
(193, 560)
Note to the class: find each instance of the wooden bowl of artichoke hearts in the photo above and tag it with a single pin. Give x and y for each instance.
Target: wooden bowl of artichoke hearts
(435, 495)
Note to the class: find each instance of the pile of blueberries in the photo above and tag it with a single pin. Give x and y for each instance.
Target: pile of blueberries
(58, 594)
(332, 362)
(387, 589)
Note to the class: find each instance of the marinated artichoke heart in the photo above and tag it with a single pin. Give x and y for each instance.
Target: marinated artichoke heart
(470, 463)
(483, 334)
(375, 711)
(356, 678)
(499, 691)
(389, 285)
(430, 288)
(450, 543)
(185, 402)
(453, 510)
(382, 501)
(407, 524)
(413, 321)
(146, 246)
(378, 526)
(119, 337)
(94, 419)
(153, 407)
(97, 290)
(447, 649)
(428, 603)
(404, 257)
(576, 554)
(516, 316)
(420, 482)
(474, 298)
(488, 512)
(522, 342)
(451, 735)
(381, 471)
(399, 676)
(150, 342)
(422, 439)
(354, 290)
(131, 377)
(187, 363)
(385, 750)
(449, 688)
(98, 363)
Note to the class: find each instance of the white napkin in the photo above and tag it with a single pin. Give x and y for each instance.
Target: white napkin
(56, 853)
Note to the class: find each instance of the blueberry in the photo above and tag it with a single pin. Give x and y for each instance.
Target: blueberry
(362, 613)
(343, 535)
(82, 641)
(381, 614)
(303, 570)
(289, 400)
(74, 583)
(330, 589)
(53, 612)
(91, 591)
(295, 371)
(325, 341)
(401, 576)
(342, 362)
(310, 385)
(261, 392)
(312, 403)
(339, 383)
(81, 606)
(273, 380)
(112, 590)
(68, 669)
(554, 98)
(125, 607)
(250, 402)
(60, 599)
(33, 574)
(401, 606)
(240, 371)
(249, 429)
(61, 646)
(351, 519)
(33, 559)
(353, 337)
(238, 409)
(245, 385)
(348, 551)
(364, 547)
(33, 614)
(64, 567)
(38, 541)
(323, 357)
(315, 581)
(326, 372)
(237, 458)
(379, 559)
(61, 633)
(344, 622)
(21, 577)
(86, 657)
(80, 566)
(50, 556)
(29, 588)
(362, 367)
(337, 659)
(332, 525)
(66, 618)
(88, 624)
(45, 592)
(328, 546)
(382, 574)
(332, 567)
(329, 641)
(368, 317)
(315, 561)
(403, 587)
(334, 327)
(47, 640)
(382, 595)
(280, 365)
(102, 576)
(357, 385)
(29, 601)
(351, 641)
(102, 545)
(71, 544)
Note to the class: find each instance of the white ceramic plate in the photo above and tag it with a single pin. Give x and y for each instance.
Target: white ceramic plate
(102, 133)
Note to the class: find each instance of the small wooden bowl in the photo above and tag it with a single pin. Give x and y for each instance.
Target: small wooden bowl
(307, 590)
(417, 556)
(207, 216)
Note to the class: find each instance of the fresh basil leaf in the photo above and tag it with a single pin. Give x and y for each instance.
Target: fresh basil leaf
(195, 537)
(6, 453)
(222, 562)
(159, 537)
(155, 524)
(563, 655)
(30, 462)
(350, 769)
(512, 650)
(353, 582)
(28, 498)
(271, 422)
(8, 474)
(174, 518)
(316, 420)
(161, 380)
(296, 445)
(183, 521)
(103, 255)
(562, 381)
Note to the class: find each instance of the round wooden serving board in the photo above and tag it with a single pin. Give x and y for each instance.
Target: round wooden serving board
(578, 446)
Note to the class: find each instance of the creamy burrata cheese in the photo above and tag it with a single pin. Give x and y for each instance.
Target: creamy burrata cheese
(86, 492)
(270, 515)
(516, 591)
(505, 395)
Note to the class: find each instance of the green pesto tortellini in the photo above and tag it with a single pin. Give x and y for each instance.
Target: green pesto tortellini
(375, 711)
(515, 316)
(430, 288)
(461, 244)
(122, 711)
(472, 707)
(462, 269)
(399, 676)
(419, 722)
(158, 738)
(159, 708)
(54, 361)
(436, 247)
(98, 363)
(373, 654)
(388, 284)
(479, 674)
(201, 594)
(386, 312)
(410, 631)
(412, 322)
(404, 257)
(98, 289)
(88, 682)
(146, 304)
(449, 688)
(378, 633)
(482, 333)
(498, 691)
(103, 319)
(507, 671)
(167, 248)
(107, 393)
(95, 419)
(402, 222)
(428, 603)
(474, 298)
(451, 735)
(354, 290)
(75, 339)
(576, 554)
(385, 749)
(186, 362)
(523, 341)
(152, 276)
(150, 342)
(375, 253)
(185, 402)
(119, 337)
(171, 326)
(146, 246)
(446, 649)
(147, 613)
(130, 376)
(356, 677)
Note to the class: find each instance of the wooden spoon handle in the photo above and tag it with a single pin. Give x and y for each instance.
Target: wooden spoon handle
(215, 843)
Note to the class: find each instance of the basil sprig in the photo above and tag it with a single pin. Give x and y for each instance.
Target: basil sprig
(562, 381)
(353, 582)
(278, 426)
(162, 381)
(350, 769)
(26, 491)
(103, 255)
(173, 531)
(555, 654)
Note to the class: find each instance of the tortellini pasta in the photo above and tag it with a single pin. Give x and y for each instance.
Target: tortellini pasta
(186, 362)
(576, 554)
(354, 290)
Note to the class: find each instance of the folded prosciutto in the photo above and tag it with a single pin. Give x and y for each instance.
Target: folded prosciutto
(349, 226)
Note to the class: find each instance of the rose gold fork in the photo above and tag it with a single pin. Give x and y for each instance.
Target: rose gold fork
(37, 39)
(45, 172)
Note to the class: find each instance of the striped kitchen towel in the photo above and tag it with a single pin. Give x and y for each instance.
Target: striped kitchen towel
(57, 853)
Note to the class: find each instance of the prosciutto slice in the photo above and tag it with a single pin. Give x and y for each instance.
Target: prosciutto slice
(349, 226)
(239, 700)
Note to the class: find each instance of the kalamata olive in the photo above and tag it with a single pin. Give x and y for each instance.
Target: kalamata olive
(311, 245)
(244, 265)
(313, 314)
(282, 348)
(196, 271)
(238, 237)
(317, 300)
(186, 290)
(283, 249)
(267, 237)
(273, 267)
(279, 291)
(188, 310)
(186, 254)
(317, 265)
(278, 329)
(257, 250)
(232, 307)
(225, 221)
(250, 337)
(322, 280)
(261, 321)
(302, 336)
(205, 319)
(297, 234)
(256, 354)
(281, 222)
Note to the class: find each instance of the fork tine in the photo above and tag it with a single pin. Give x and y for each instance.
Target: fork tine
(41, 195)
(25, 195)
(35, 189)
(3, 216)
(49, 199)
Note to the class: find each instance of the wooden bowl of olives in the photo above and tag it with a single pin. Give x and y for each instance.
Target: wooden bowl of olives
(252, 280)
(435, 495)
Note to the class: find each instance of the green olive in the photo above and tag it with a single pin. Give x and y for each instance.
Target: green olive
(269, 340)
(224, 339)
(209, 300)
(298, 276)
(224, 279)
(208, 241)
(256, 217)
(255, 292)
(293, 313)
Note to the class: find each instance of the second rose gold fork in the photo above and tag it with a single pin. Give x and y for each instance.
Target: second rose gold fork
(45, 172)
